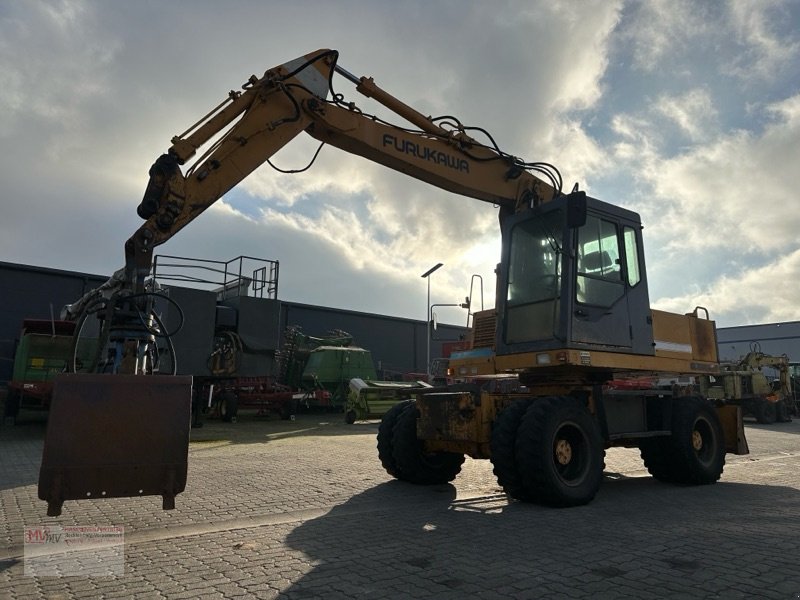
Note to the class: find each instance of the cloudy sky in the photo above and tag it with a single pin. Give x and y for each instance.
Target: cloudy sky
(687, 112)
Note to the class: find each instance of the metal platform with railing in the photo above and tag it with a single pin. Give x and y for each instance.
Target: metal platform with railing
(240, 276)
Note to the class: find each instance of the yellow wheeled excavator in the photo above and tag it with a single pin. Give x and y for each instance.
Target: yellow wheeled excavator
(572, 314)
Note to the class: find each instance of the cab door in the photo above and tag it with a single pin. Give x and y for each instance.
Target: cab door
(600, 314)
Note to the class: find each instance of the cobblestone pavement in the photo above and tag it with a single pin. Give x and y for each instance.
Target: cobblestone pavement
(303, 509)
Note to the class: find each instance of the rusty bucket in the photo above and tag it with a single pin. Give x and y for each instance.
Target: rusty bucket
(116, 436)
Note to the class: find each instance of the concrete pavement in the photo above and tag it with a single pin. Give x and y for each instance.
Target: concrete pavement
(303, 509)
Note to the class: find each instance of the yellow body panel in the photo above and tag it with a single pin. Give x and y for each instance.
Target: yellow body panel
(684, 345)
(682, 336)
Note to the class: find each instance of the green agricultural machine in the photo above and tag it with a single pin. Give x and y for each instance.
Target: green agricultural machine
(330, 369)
(372, 399)
(322, 367)
(43, 351)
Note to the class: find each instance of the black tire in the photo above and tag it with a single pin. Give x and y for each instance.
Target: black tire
(197, 410)
(657, 456)
(783, 414)
(413, 463)
(385, 434)
(697, 441)
(350, 417)
(559, 451)
(289, 408)
(502, 444)
(766, 412)
(11, 407)
(229, 407)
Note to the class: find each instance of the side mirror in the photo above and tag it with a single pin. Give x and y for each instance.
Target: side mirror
(576, 210)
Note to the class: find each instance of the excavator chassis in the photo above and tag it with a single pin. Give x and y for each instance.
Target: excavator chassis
(114, 436)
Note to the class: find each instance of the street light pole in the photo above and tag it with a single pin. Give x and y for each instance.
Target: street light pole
(426, 275)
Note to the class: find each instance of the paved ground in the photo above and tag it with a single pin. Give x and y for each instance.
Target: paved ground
(280, 509)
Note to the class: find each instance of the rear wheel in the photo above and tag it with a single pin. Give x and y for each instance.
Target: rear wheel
(229, 407)
(559, 452)
(783, 414)
(695, 452)
(197, 409)
(413, 463)
(766, 412)
(385, 433)
(657, 458)
(289, 408)
(11, 405)
(504, 436)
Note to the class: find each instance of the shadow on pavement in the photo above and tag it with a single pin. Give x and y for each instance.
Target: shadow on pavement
(639, 538)
(251, 429)
(789, 427)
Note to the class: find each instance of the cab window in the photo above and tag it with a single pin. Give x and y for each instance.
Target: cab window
(600, 281)
(631, 255)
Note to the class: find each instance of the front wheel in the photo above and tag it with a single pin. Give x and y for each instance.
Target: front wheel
(414, 464)
(559, 452)
(502, 445)
(385, 434)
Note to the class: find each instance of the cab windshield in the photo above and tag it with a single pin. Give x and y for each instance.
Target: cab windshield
(534, 278)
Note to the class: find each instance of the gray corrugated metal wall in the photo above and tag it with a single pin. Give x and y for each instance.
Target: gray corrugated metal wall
(774, 338)
(396, 344)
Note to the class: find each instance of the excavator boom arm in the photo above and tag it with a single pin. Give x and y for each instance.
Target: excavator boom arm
(293, 98)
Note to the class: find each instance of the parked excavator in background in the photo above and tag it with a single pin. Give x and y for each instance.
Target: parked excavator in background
(572, 313)
(761, 395)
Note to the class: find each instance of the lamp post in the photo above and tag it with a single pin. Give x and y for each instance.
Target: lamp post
(427, 275)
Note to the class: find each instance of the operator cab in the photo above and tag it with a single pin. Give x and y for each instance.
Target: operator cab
(572, 276)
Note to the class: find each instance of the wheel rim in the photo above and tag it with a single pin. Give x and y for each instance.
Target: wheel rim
(563, 452)
(703, 441)
(571, 457)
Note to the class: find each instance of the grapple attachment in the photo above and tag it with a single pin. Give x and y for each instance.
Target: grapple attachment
(115, 436)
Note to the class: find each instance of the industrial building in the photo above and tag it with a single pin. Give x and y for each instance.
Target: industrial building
(398, 345)
(775, 339)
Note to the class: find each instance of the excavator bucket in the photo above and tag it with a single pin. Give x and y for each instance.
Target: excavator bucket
(115, 436)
